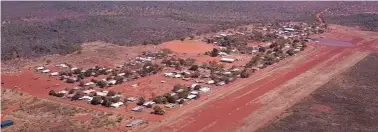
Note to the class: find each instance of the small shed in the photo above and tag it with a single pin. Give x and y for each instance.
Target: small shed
(46, 71)
(191, 96)
(137, 109)
(132, 99)
(54, 74)
(40, 68)
(229, 60)
(116, 105)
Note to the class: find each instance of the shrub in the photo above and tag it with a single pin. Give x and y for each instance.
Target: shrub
(197, 87)
(52, 93)
(244, 74)
(107, 102)
(96, 100)
(111, 93)
(69, 80)
(158, 110)
(194, 67)
(115, 99)
(141, 101)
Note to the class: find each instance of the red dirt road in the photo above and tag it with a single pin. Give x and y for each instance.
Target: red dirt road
(224, 114)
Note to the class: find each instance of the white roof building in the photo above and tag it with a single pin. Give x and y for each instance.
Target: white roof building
(54, 74)
(205, 89)
(63, 91)
(89, 83)
(137, 109)
(194, 85)
(113, 82)
(74, 68)
(121, 74)
(227, 60)
(210, 82)
(101, 93)
(178, 75)
(40, 68)
(46, 71)
(194, 92)
(132, 99)
(149, 103)
(116, 105)
(191, 96)
(86, 97)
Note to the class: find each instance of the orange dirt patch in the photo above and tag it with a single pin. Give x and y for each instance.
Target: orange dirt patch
(321, 108)
(85, 117)
(193, 47)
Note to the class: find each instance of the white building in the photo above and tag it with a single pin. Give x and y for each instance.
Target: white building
(149, 103)
(205, 89)
(191, 96)
(54, 74)
(40, 68)
(46, 71)
(229, 60)
(116, 105)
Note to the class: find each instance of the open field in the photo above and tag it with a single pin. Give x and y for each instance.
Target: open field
(346, 103)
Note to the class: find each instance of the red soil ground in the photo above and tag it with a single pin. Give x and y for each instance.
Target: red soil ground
(189, 47)
(10, 109)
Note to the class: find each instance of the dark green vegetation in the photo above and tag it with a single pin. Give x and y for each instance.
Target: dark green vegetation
(31, 29)
(364, 20)
(351, 100)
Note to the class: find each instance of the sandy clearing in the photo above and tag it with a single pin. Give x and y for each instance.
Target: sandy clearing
(188, 46)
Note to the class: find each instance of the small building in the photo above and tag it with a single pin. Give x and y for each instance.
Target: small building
(54, 74)
(46, 71)
(86, 97)
(178, 76)
(89, 84)
(112, 82)
(210, 82)
(191, 96)
(117, 105)
(169, 74)
(101, 93)
(137, 109)
(170, 105)
(221, 83)
(149, 103)
(131, 99)
(122, 74)
(194, 85)
(40, 68)
(205, 89)
(63, 92)
(136, 122)
(229, 60)
(74, 68)
(194, 92)
(61, 65)
(222, 54)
